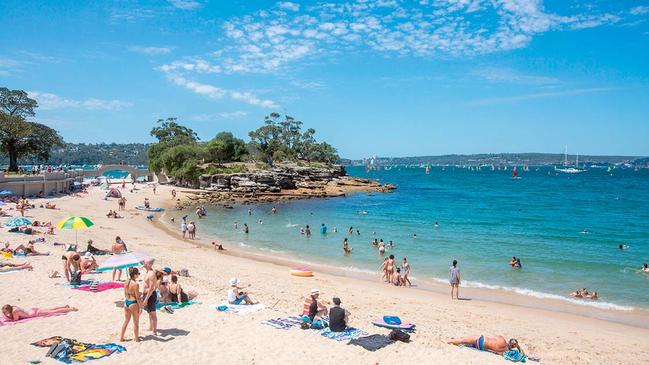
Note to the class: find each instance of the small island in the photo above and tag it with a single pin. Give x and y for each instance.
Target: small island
(280, 162)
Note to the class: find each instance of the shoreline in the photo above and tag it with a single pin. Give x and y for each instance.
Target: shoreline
(200, 333)
(626, 315)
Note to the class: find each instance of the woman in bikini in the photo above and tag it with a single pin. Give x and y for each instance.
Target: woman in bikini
(496, 344)
(132, 304)
(12, 313)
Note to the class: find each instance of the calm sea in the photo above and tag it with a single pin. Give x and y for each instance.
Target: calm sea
(485, 217)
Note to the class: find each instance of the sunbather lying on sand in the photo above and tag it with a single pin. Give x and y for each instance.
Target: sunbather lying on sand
(29, 250)
(13, 313)
(49, 205)
(496, 344)
(8, 266)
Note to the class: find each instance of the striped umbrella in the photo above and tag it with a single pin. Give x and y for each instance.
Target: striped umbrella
(18, 222)
(75, 223)
(123, 261)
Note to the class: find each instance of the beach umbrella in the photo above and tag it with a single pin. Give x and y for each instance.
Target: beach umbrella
(75, 223)
(18, 222)
(123, 261)
(6, 192)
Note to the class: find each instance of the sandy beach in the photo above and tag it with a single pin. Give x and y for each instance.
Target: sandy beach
(200, 334)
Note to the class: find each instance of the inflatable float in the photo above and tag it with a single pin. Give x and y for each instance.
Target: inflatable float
(393, 326)
(142, 207)
(302, 271)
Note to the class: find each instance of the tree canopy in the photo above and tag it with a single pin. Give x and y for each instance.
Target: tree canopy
(181, 155)
(20, 138)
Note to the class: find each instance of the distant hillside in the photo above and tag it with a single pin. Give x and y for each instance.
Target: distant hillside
(92, 154)
(534, 159)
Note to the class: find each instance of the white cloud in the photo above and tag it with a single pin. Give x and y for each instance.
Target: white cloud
(215, 93)
(493, 74)
(151, 51)
(131, 15)
(288, 6)
(233, 115)
(549, 94)
(639, 10)
(215, 116)
(186, 4)
(7, 65)
(47, 101)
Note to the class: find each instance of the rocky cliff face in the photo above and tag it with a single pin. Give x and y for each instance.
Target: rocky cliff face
(275, 180)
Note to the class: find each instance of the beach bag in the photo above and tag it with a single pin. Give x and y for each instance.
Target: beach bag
(393, 320)
(398, 335)
(76, 278)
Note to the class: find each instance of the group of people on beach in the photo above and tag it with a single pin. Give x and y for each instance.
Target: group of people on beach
(393, 274)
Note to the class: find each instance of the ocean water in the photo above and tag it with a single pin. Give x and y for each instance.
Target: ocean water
(485, 217)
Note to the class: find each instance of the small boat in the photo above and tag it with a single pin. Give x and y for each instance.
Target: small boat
(570, 170)
(142, 207)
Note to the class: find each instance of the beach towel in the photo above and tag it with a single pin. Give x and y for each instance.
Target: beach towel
(372, 342)
(284, 323)
(346, 335)
(175, 305)
(514, 356)
(76, 352)
(5, 322)
(240, 309)
(81, 283)
(100, 287)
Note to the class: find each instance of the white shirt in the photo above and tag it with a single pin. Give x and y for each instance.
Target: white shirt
(232, 295)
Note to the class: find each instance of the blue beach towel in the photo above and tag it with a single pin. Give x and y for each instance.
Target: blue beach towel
(514, 356)
(346, 335)
(283, 323)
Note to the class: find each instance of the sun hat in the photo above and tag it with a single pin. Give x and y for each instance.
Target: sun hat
(234, 281)
(88, 255)
(315, 291)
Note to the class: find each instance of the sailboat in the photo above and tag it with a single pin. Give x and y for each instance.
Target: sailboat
(515, 174)
(570, 170)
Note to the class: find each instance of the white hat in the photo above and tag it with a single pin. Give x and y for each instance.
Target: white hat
(315, 291)
(88, 255)
(234, 281)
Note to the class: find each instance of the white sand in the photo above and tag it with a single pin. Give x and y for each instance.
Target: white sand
(200, 334)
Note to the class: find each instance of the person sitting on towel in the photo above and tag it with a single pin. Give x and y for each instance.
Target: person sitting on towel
(236, 295)
(317, 310)
(338, 317)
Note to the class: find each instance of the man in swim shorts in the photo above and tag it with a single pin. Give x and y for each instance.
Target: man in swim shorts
(150, 297)
(496, 344)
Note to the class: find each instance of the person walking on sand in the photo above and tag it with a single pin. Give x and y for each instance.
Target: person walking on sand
(454, 279)
(173, 193)
(132, 304)
(405, 267)
(389, 268)
(150, 295)
(118, 247)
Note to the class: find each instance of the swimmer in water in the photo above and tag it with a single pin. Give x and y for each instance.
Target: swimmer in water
(351, 230)
(358, 232)
(390, 244)
(436, 225)
(645, 268)
(236, 225)
(414, 236)
(623, 247)
(260, 222)
(585, 231)
(274, 210)
(375, 243)
(346, 247)
(249, 211)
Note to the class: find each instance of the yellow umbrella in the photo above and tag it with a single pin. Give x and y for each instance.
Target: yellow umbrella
(75, 223)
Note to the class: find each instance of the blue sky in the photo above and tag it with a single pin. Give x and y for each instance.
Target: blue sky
(384, 77)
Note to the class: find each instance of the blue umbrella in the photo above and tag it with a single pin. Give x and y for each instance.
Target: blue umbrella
(18, 222)
(6, 192)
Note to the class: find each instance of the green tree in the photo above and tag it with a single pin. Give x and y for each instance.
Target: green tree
(21, 138)
(225, 147)
(169, 134)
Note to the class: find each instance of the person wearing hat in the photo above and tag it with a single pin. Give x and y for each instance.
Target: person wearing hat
(317, 310)
(338, 317)
(236, 295)
(88, 263)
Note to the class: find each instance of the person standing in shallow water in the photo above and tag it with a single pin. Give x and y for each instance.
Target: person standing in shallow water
(454, 279)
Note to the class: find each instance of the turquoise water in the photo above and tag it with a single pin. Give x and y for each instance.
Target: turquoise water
(485, 218)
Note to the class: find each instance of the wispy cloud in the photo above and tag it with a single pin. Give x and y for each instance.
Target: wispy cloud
(639, 10)
(214, 92)
(186, 4)
(288, 6)
(549, 94)
(48, 101)
(150, 51)
(223, 115)
(308, 85)
(131, 15)
(8, 66)
(493, 74)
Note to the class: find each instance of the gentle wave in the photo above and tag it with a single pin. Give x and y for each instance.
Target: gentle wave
(542, 295)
